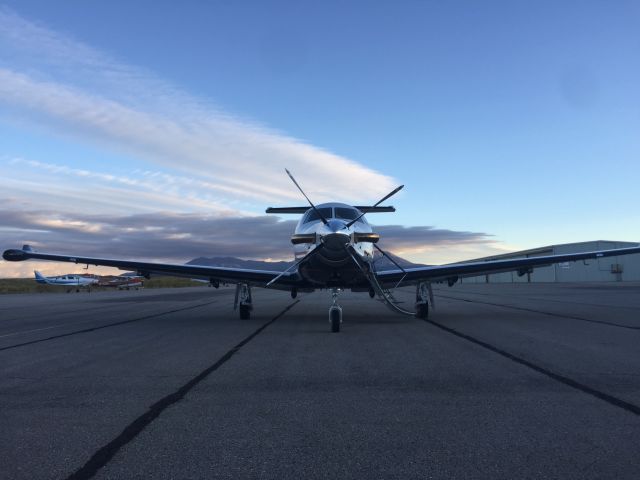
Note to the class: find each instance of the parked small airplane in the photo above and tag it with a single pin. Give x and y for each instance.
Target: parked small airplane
(334, 247)
(122, 282)
(69, 281)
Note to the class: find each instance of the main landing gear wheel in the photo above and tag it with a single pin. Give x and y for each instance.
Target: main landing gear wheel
(422, 310)
(243, 301)
(422, 301)
(335, 318)
(245, 312)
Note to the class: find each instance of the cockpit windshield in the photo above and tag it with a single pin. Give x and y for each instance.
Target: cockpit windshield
(346, 213)
(313, 215)
(343, 213)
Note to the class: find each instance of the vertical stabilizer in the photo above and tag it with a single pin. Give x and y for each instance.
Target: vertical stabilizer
(39, 277)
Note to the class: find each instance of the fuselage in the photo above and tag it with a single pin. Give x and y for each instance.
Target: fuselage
(332, 265)
(68, 280)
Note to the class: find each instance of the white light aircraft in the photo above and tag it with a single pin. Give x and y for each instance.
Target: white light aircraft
(334, 249)
(70, 281)
(122, 282)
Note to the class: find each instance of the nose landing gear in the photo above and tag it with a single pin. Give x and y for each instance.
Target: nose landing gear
(335, 311)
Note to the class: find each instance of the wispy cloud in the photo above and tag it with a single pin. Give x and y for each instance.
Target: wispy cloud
(420, 239)
(135, 190)
(71, 86)
(201, 174)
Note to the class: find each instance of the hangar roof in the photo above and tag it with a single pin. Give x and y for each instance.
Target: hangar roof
(549, 249)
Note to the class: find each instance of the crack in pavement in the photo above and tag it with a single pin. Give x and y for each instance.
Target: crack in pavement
(107, 325)
(610, 399)
(559, 315)
(104, 454)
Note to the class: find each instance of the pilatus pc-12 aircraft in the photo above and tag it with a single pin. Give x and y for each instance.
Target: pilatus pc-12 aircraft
(334, 249)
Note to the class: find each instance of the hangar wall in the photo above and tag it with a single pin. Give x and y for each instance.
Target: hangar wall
(610, 269)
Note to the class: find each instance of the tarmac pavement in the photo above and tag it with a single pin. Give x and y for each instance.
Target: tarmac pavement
(503, 381)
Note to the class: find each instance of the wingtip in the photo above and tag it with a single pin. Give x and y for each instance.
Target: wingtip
(14, 255)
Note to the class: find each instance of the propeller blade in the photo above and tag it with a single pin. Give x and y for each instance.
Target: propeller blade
(388, 195)
(373, 281)
(311, 253)
(324, 220)
(386, 255)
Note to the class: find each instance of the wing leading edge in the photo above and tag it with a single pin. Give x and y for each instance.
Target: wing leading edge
(453, 271)
(258, 278)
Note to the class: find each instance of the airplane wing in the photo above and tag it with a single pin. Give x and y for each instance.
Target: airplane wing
(257, 278)
(453, 271)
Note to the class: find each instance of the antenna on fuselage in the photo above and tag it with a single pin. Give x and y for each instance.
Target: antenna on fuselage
(324, 220)
(388, 195)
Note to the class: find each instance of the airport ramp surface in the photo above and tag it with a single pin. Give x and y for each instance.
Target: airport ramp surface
(503, 381)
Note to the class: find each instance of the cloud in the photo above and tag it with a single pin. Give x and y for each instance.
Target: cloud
(174, 237)
(58, 81)
(418, 239)
(134, 191)
(197, 174)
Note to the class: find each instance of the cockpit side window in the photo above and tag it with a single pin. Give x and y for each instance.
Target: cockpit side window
(312, 215)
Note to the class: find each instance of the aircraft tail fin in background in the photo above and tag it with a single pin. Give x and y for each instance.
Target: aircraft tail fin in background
(39, 277)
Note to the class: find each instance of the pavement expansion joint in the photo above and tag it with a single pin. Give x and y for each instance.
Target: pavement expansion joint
(542, 312)
(610, 399)
(107, 325)
(104, 455)
(538, 298)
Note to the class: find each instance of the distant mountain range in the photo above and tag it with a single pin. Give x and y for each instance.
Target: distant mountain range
(382, 263)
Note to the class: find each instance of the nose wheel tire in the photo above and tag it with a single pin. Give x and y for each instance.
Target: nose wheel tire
(335, 318)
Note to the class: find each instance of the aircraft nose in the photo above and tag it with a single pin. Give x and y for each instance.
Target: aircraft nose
(335, 225)
(335, 241)
(334, 238)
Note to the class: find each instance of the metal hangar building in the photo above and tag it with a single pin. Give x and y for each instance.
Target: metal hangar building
(625, 268)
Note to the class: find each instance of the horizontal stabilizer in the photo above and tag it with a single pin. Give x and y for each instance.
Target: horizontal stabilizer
(301, 210)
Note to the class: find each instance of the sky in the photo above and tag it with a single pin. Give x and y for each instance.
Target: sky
(161, 130)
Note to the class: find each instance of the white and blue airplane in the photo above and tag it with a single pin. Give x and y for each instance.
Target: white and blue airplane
(334, 249)
(70, 281)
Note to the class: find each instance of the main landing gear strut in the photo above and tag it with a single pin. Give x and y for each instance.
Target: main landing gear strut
(423, 294)
(335, 311)
(243, 300)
